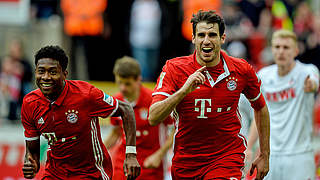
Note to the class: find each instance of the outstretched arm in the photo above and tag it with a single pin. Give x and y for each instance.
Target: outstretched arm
(131, 166)
(161, 110)
(261, 163)
(31, 164)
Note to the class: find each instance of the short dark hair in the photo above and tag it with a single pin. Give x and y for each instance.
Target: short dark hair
(208, 17)
(126, 67)
(52, 52)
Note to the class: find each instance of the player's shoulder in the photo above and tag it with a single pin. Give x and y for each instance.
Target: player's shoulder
(181, 61)
(305, 66)
(268, 70)
(146, 93)
(32, 96)
(238, 64)
(77, 86)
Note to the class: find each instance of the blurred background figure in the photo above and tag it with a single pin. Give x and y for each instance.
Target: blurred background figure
(16, 51)
(152, 141)
(145, 35)
(10, 81)
(84, 23)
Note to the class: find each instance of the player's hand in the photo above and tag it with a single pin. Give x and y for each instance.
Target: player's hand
(261, 163)
(153, 161)
(248, 160)
(309, 85)
(131, 166)
(194, 80)
(30, 168)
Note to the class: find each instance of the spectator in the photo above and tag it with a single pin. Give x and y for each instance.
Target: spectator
(145, 35)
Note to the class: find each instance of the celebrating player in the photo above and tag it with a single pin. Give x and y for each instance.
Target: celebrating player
(66, 113)
(202, 90)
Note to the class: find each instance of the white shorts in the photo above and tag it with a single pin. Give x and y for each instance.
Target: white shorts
(293, 167)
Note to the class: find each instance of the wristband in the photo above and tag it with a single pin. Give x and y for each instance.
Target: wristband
(131, 149)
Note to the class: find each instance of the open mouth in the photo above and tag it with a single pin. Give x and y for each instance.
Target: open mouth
(46, 85)
(207, 49)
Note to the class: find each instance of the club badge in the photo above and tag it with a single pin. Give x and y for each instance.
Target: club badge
(232, 84)
(72, 116)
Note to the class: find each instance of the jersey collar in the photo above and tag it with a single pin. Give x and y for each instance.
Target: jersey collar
(227, 66)
(227, 62)
(63, 94)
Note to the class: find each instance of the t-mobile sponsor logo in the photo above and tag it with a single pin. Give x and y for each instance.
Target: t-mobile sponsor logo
(203, 108)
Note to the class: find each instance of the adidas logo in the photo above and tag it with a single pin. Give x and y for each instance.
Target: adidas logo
(40, 121)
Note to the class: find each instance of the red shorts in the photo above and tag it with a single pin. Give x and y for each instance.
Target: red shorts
(226, 168)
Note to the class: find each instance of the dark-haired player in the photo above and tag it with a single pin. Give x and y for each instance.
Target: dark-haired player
(66, 113)
(202, 90)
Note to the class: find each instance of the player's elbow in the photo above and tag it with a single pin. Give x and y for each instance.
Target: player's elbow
(152, 120)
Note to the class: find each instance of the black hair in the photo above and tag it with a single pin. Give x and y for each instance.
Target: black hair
(52, 52)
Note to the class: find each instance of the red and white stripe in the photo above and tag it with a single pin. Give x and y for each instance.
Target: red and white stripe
(97, 150)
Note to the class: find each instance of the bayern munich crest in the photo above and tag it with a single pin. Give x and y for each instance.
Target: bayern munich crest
(72, 116)
(232, 83)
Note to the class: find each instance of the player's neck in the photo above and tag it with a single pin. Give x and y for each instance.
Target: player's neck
(285, 69)
(213, 63)
(134, 97)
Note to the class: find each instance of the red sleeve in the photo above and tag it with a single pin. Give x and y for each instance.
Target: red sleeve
(30, 130)
(166, 85)
(252, 89)
(102, 104)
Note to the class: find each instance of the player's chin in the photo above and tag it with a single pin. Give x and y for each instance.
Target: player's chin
(207, 59)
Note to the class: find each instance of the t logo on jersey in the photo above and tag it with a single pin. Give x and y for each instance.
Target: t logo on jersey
(203, 108)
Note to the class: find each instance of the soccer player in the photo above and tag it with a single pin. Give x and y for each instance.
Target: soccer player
(151, 152)
(202, 90)
(289, 87)
(66, 113)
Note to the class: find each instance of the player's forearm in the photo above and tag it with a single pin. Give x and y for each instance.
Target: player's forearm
(33, 150)
(253, 135)
(129, 123)
(159, 111)
(263, 127)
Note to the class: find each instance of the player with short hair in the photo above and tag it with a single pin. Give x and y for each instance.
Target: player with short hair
(289, 87)
(151, 143)
(66, 113)
(202, 90)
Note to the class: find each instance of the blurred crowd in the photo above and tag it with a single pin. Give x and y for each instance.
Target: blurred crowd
(153, 31)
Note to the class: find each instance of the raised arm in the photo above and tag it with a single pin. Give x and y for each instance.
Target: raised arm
(261, 163)
(131, 166)
(160, 110)
(31, 164)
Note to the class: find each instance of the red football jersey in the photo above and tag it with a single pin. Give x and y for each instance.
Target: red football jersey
(70, 124)
(147, 137)
(207, 120)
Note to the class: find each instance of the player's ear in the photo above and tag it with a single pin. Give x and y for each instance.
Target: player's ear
(193, 40)
(223, 38)
(65, 73)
